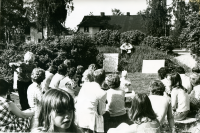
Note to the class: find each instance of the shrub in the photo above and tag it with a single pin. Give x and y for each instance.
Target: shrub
(101, 38)
(159, 43)
(134, 37)
(115, 38)
(79, 48)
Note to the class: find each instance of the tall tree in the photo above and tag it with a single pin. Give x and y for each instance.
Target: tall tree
(156, 18)
(12, 22)
(50, 13)
(117, 12)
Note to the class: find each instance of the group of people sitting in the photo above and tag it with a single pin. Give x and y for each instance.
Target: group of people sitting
(69, 99)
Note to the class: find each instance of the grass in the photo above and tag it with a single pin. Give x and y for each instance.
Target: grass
(140, 81)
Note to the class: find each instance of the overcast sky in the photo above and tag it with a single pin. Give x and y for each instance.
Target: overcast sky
(84, 7)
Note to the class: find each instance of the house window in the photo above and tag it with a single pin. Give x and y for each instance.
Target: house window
(86, 29)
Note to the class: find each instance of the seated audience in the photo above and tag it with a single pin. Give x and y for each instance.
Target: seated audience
(161, 104)
(185, 79)
(57, 115)
(179, 98)
(142, 115)
(12, 118)
(55, 81)
(91, 104)
(125, 82)
(48, 77)
(115, 102)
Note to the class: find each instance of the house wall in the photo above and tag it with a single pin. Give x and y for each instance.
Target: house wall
(92, 30)
(35, 35)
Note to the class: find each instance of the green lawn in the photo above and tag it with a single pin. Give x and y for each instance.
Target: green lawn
(140, 81)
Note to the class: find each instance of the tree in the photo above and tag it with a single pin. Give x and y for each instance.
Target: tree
(181, 10)
(116, 12)
(12, 22)
(156, 18)
(50, 13)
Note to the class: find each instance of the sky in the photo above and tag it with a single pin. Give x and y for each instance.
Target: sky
(84, 7)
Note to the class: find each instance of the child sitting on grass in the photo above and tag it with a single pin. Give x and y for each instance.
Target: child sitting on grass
(12, 118)
(125, 82)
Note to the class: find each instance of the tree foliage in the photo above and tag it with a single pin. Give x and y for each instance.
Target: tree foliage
(181, 10)
(12, 10)
(49, 13)
(117, 12)
(156, 18)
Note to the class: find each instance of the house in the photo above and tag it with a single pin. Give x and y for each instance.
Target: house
(92, 24)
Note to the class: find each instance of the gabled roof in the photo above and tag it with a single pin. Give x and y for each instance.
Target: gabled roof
(123, 22)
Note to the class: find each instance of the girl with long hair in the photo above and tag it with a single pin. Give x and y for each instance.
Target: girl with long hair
(56, 113)
(180, 100)
(142, 115)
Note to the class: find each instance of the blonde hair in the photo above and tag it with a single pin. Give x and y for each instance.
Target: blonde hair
(29, 56)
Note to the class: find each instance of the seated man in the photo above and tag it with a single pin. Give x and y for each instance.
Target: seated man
(126, 48)
(160, 104)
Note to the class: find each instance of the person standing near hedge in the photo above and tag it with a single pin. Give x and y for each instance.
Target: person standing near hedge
(23, 71)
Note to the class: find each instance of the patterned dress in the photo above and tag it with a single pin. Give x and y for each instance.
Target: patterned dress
(9, 122)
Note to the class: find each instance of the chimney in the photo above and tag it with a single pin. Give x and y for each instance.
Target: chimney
(128, 13)
(102, 14)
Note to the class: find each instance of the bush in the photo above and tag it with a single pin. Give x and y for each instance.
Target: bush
(79, 48)
(134, 37)
(101, 38)
(115, 38)
(159, 43)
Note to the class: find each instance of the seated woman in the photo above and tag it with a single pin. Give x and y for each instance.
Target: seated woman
(142, 115)
(179, 98)
(12, 118)
(34, 92)
(160, 104)
(48, 76)
(55, 81)
(115, 102)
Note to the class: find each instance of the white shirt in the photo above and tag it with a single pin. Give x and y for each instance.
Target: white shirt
(160, 105)
(45, 83)
(55, 81)
(90, 106)
(34, 95)
(180, 100)
(186, 82)
(196, 92)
